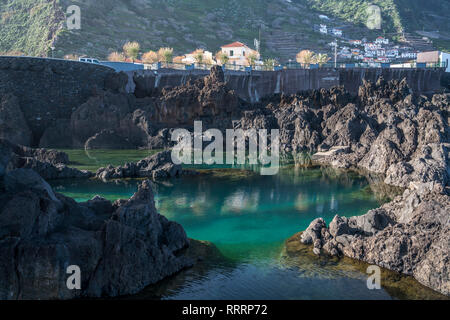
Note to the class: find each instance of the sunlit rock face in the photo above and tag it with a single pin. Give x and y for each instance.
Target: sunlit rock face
(406, 140)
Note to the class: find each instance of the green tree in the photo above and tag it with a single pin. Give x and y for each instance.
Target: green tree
(305, 57)
(150, 57)
(321, 59)
(131, 50)
(165, 55)
(222, 57)
(251, 58)
(269, 64)
(116, 57)
(199, 56)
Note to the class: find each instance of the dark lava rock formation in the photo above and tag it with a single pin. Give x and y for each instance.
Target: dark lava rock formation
(158, 166)
(120, 247)
(405, 139)
(112, 119)
(49, 164)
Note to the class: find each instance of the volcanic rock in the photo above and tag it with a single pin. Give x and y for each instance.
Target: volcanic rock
(158, 166)
(119, 248)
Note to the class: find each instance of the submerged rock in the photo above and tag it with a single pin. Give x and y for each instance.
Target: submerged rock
(158, 166)
(406, 140)
(120, 248)
(408, 235)
(49, 164)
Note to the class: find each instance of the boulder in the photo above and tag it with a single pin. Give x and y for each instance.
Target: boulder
(49, 164)
(158, 166)
(120, 248)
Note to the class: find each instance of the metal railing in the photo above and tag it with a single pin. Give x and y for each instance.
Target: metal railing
(295, 66)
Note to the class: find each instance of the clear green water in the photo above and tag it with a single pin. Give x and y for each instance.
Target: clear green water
(248, 217)
(92, 160)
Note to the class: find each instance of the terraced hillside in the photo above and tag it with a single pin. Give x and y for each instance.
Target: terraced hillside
(285, 26)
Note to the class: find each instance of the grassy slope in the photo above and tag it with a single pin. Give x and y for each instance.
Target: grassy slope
(355, 11)
(27, 25)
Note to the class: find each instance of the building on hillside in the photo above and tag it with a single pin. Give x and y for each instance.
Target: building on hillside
(372, 46)
(336, 32)
(370, 53)
(323, 29)
(381, 53)
(238, 53)
(355, 42)
(409, 55)
(392, 53)
(435, 57)
(382, 40)
(383, 60)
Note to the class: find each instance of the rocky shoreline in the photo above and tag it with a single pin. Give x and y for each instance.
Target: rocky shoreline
(406, 140)
(385, 129)
(49, 164)
(158, 166)
(120, 247)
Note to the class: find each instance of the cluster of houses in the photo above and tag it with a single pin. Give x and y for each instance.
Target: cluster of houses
(381, 50)
(323, 29)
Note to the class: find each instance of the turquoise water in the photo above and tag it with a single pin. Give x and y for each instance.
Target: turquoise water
(249, 217)
(243, 212)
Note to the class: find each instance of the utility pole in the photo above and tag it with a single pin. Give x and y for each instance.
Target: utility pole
(335, 53)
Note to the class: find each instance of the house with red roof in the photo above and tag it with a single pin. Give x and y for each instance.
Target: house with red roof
(238, 53)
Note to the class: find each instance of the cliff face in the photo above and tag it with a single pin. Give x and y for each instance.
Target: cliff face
(46, 91)
(403, 138)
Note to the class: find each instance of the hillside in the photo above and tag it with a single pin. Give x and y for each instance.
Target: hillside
(285, 26)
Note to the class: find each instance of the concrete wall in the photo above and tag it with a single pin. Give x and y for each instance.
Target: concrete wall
(419, 80)
(49, 89)
(123, 66)
(253, 86)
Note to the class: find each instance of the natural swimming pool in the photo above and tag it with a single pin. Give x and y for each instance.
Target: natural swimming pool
(249, 217)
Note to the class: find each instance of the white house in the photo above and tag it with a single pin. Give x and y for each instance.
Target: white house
(381, 52)
(409, 55)
(323, 29)
(355, 42)
(336, 32)
(370, 53)
(191, 58)
(392, 53)
(382, 40)
(372, 46)
(238, 53)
